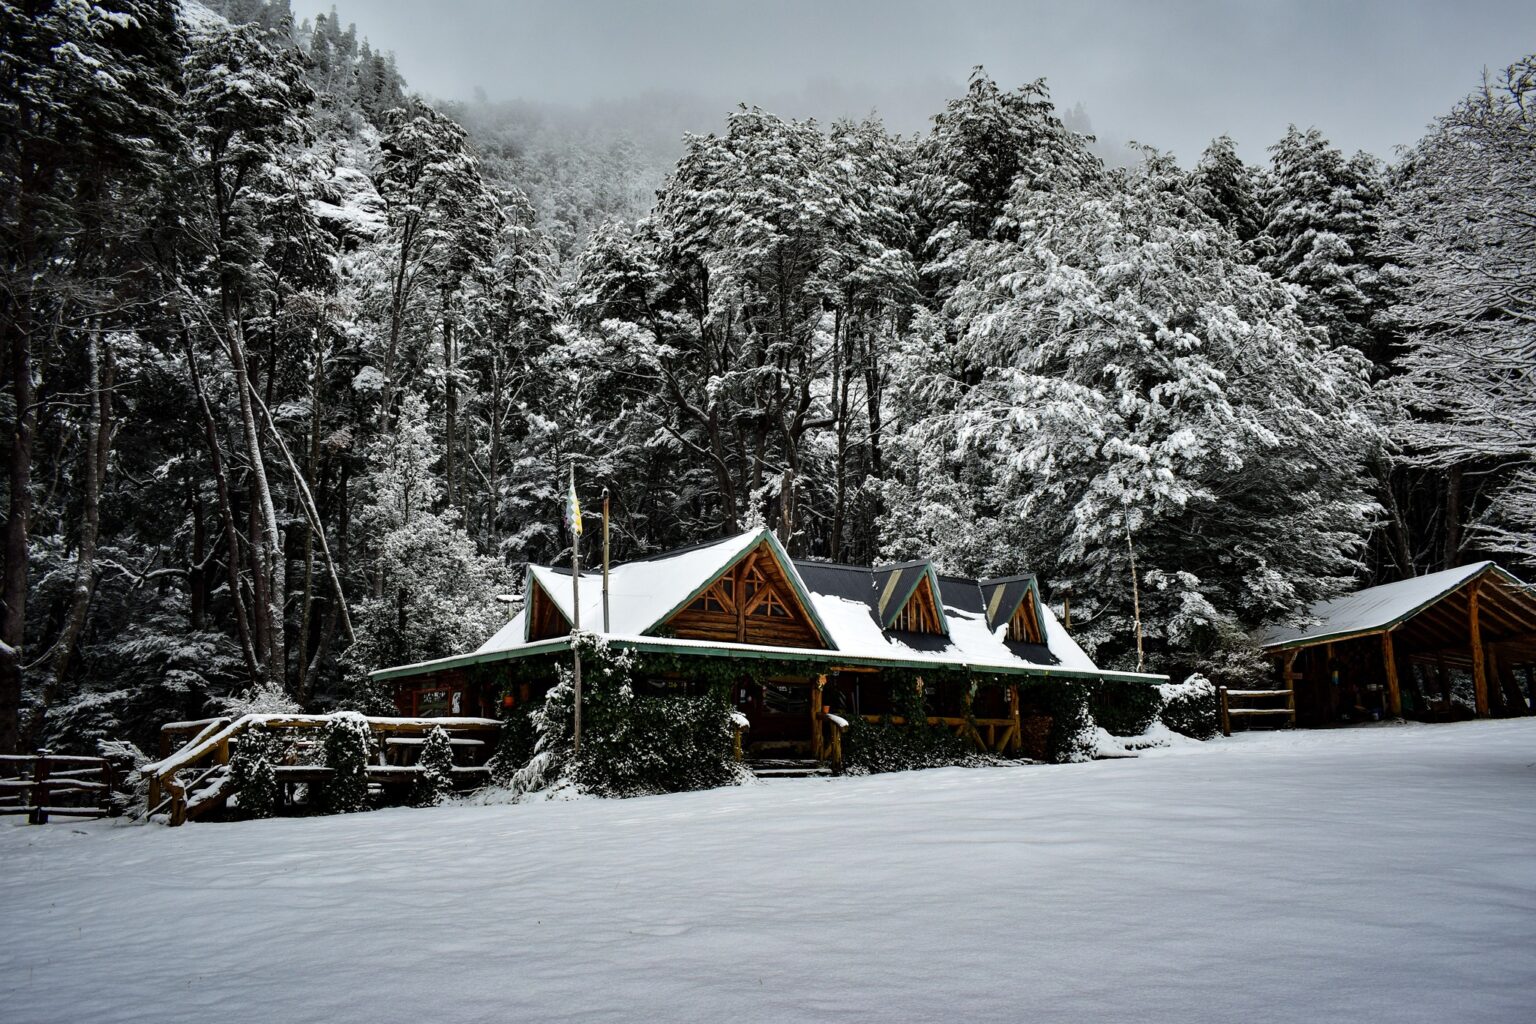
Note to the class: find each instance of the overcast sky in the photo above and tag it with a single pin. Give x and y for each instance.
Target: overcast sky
(1173, 73)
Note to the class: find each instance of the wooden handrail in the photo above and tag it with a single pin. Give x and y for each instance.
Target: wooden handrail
(168, 792)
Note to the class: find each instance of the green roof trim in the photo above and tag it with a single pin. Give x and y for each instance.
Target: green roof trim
(663, 645)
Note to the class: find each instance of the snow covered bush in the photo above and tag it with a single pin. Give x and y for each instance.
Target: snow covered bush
(252, 776)
(1190, 707)
(515, 744)
(346, 745)
(1072, 736)
(631, 745)
(1124, 708)
(434, 770)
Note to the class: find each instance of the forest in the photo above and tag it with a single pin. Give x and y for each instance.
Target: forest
(296, 363)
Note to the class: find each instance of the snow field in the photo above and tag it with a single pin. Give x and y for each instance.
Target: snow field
(1375, 874)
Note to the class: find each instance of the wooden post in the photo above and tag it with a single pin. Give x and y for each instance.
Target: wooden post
(1291, 678)
(1013, 713)
(605, 559)
(575, 614)
(821, 682)
(1389, 658)
(1226, 719)
(1479, 669)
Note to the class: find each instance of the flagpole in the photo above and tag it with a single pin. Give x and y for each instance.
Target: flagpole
(605, 561)
(575, 609)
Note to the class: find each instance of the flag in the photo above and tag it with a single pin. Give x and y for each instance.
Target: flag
(573, 508)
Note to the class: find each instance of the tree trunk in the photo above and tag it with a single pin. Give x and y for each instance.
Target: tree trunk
(13, 589)
(98, 448)
(450, 406)
(268, 558)
(1453, 518)
(226, 515)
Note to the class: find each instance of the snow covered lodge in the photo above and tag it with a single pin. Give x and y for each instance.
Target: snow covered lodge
(805, 645)
(1405, 649)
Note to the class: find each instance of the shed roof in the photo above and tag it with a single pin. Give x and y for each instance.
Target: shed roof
(1373, 609)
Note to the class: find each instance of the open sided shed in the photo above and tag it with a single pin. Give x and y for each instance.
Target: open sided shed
(1396, 648)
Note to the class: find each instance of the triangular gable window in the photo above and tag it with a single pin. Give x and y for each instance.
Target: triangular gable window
(1024, 626)
(920, 613)
(754, 600)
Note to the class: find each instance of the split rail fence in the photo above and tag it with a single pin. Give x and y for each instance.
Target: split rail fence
(44, 785)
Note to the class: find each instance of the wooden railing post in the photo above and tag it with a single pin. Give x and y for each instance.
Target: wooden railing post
(39, 813)
(1226, 717)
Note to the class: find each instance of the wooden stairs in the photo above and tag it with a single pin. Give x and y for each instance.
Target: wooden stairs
(1275, 706)
(789, 768)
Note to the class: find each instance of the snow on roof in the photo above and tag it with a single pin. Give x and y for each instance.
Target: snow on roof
(644, 594)
(1371, 609)
(641, 594)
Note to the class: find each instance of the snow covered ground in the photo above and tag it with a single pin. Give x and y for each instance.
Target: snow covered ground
(1378, 874)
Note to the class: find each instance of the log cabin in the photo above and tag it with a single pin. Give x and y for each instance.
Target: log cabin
(804, 642)
(1452, 644)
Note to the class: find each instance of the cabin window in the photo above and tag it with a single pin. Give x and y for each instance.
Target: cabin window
(710, 601)
(436, 703)
(770, 605)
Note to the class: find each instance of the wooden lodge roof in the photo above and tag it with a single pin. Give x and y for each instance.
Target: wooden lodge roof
(904, 615)
(1439, 601)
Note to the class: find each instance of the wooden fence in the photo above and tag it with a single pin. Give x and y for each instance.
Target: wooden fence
(44, 785)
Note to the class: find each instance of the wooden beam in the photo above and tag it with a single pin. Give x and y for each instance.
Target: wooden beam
(740, 586)
(1479, 669)
(1389, 659)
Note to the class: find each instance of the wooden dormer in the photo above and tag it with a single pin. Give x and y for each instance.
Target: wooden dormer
(752, 601)
(1016, 601)
(909, 600)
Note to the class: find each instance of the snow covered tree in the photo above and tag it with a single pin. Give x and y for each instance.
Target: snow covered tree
(433, 781)
(1230, 191)
(347, 745)
(86, 98)
(1127, 385)
(983, 147)
(1320, 232)
(252, 775)
(1463, 228)
(432, 593)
